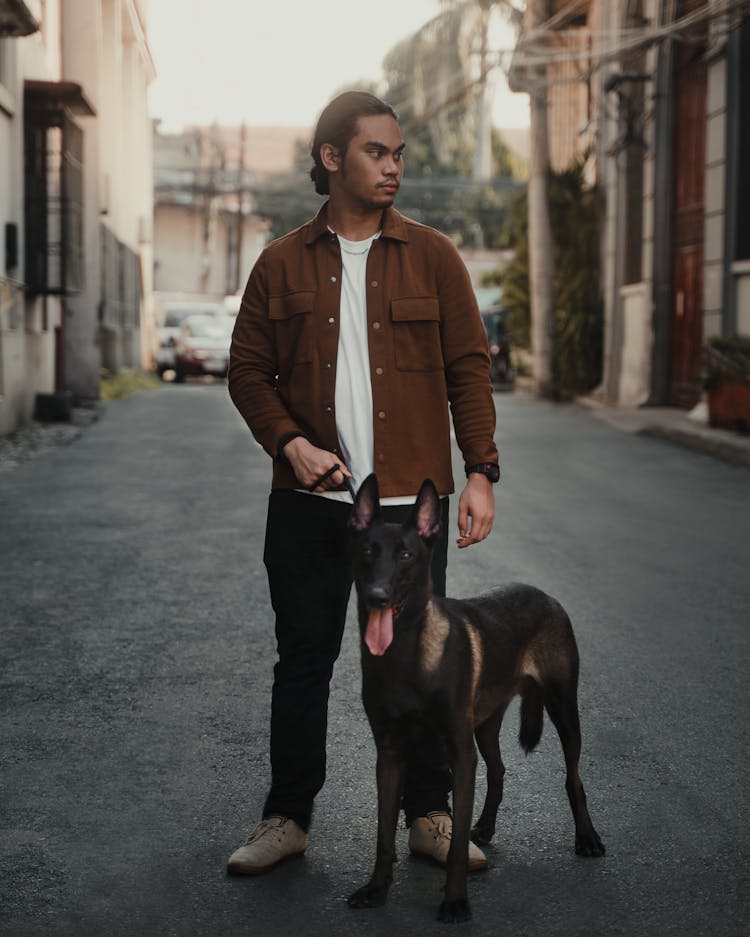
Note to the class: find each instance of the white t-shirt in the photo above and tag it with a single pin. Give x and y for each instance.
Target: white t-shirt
(353, 388)
(353, 397)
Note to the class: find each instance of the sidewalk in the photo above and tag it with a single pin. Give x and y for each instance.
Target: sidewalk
(689, 429)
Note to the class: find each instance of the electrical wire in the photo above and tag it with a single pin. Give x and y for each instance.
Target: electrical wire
(530, 53)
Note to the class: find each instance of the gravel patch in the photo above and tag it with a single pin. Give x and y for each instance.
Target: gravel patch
(35, 438)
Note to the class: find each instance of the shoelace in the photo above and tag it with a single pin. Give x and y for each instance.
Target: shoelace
(267, 826)
(441, 829)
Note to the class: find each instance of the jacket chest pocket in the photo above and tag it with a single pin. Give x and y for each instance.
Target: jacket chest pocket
(292, 318)
(416, 333)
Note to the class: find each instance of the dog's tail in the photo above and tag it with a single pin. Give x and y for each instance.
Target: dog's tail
(532, 715)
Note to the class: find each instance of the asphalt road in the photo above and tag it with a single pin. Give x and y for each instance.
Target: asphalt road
(137, 649)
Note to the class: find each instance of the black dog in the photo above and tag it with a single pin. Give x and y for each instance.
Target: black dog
(454, 665)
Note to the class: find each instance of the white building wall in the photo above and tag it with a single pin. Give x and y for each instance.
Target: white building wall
(27, 324)
(105, 50)
(177, 248)
(181, 262)
(101, 45)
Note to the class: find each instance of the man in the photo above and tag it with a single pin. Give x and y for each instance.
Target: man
(356, 334)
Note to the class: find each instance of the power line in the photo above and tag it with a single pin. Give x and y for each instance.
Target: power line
(531, 53)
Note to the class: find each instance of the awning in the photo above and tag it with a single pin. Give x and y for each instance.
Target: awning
(16, 19)
(58, 96)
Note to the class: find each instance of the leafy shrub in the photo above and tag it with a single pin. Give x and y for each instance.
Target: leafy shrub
(726, 359)
(578, 322)
(125, 383)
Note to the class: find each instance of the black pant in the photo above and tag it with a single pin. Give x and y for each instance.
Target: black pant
(310, 578)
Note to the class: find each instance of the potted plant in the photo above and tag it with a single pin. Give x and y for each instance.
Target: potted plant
(726, 378)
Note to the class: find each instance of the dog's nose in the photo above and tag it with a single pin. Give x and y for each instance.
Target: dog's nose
(378, 596)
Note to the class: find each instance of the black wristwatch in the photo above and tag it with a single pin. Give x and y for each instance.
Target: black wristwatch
(490, 470)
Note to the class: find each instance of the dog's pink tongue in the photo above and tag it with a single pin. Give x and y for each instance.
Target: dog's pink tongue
(379, 633)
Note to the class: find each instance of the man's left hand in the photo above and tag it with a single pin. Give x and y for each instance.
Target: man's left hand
(476, 510)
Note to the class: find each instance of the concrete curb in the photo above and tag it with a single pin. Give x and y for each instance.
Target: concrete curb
(674, 426)
(719, 448)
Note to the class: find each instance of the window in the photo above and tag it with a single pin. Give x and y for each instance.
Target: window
(53, 198)
(121, 284)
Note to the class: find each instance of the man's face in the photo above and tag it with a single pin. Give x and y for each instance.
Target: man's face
(370, 173)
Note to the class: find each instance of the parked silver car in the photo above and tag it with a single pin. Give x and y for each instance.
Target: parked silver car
(168, 332)
(202, 346)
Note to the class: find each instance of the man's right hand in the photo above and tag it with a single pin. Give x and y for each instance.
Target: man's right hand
(310, 463)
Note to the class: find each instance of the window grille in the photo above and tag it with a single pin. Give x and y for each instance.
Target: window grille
(119, 308)
(53, 200)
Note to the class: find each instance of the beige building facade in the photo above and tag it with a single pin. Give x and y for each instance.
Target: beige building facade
(657, 94)
(75, 203)
(29, 323)
(207, 236)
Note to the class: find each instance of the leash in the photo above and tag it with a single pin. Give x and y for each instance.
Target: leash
(327, 475)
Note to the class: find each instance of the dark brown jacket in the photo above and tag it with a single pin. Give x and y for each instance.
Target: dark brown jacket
(426, 341)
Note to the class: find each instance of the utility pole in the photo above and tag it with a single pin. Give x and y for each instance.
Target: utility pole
(483, 152)
(540, 238)
(240, 210)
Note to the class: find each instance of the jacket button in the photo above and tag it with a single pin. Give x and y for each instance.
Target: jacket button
(328, 365)
(329, 409)
(374, 283)
(376, 325)
(381, 415)
(331, 320)
(333, 279)
(381, 457)
(378, 371)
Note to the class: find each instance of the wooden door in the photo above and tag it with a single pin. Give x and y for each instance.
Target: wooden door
(686, 324)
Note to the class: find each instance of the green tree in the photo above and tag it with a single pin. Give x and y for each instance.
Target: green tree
(422, 73)
(504, 161)
(578, 327)
(430, 80)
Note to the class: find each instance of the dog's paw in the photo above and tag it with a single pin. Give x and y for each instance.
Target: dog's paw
(481, 834)
(371, 896)
(454, 912)
(589, 845)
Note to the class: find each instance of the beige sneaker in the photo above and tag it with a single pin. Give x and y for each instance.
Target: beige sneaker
(430, 836)
(272, 841)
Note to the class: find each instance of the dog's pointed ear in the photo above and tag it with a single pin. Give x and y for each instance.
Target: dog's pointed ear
(366, 505)
(425, 516)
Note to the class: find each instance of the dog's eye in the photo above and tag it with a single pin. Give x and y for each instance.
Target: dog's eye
(405, 555)
(367, 550)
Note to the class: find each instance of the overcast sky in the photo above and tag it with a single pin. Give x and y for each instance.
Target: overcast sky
(278, 62)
